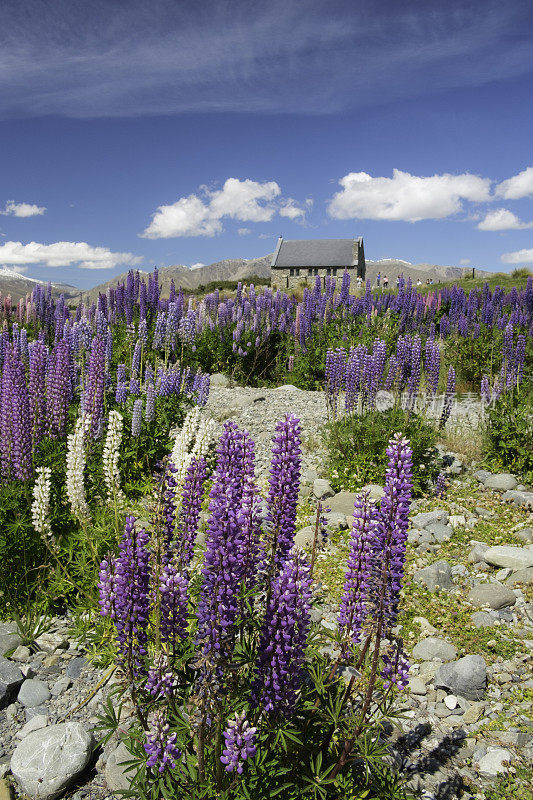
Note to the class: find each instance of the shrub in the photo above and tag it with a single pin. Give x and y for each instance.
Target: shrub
(508, 432)
(356, 447)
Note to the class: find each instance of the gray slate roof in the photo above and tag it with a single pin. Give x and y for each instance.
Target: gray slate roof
(316, 253)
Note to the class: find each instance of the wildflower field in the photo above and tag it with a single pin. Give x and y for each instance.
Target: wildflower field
(125, 506)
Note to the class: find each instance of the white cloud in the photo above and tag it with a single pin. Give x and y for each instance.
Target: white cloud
(197, 265)
(244, 231)
(518, 186)
(13, 209)
(518, 257)
(464, 262)
(63, 254)
(293, 211)
(404, 196)
(501, 219)
(245, 201)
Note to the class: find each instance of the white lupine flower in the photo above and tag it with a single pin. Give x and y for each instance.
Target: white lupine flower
(76, 457)
(111, 456)
(41, 502)
(192, 441)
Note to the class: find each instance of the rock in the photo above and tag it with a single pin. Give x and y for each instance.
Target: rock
(218, 379)
(343, 502)
(520, 499)
(48, 760)
(494, 595)
(430, 648)
(429, 518)
(75, 667)
(484, 512)
(11, 679)
(478, 552)
(473, 713)
(440, 532)
(413, 536)
(50, 642)
(482, 619)
(457, 521)
(321, 489)
(336, 520)
(9, 638)
(305, 536)
(6, 792)
(492, 763)
(508, 556)
(466, 677)
(525, 535)
(425, 625)
(34, 724)
(116, 777)
(33, 693)
(523, 576)
(21, 654)
(503, 482)
(482, 474)
(417, 686)
(61, 686)
(450, 701)
(374, 490)
(438, 575)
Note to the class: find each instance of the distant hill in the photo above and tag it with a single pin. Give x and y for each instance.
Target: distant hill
(393, 267)
(18, 286)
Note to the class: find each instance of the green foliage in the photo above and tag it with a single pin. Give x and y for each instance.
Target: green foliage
(357, 444)
(473, 358)
(508, 432)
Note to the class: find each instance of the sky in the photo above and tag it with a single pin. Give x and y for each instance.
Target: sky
(137, 134)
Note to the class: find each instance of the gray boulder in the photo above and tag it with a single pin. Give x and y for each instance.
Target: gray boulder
(11, 679)
(477, 553)
(9, 637)
(466, 677)
(218, 379)
(375, 491)
(507, 556)
(519, 499)
(503, 482)
(343, 502)
(493, 595)
(492, 763)
(116, 777)
(48, 760)
(429, 518)
(322, 488)
(522, 576)
(305, 536)
(33, 693)
(336, 520)
(436, 576)
(525, 535)
(482, 619)
(441, 533)
(482, 474)
(432, 647)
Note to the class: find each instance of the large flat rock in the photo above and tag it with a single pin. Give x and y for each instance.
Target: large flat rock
(466, 677)
(493, 595)
(503, 482)
(9, 637)
(508, 556)
(11, 679)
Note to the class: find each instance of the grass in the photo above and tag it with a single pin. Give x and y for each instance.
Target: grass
(517, 786)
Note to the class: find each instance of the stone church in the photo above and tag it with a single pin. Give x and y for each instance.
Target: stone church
(299, 261)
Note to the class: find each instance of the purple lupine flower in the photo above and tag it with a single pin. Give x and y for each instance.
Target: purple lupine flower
(38, 356)
(125, 592)
(161, 681)
(284, 485)
(174, 605)
(283, 638)
(161, 745)
(58, 389)
(395, 666)
(414, 379)
(15, 421)
(354, 603)
(440, 485)
(94, 391)
(485, 389)
(189, 513)
(136, 359)
(136, 418)
(121, 393)
(239, 743)
(391, 535)
(149, 410)
(448, 398)
(222, 572)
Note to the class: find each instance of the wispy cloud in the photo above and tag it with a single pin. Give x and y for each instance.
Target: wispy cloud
(518, 257)
(312, 56)
(501, 219)
(13, 209)
(63, 254)
(518, 186)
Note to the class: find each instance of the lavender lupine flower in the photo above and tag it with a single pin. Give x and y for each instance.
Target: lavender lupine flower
(125, 593)
(174, 605)
(38, 355)
(15, 420)
(284, 486)
(283, 638)
(414, 379)
(239, 743)
(391, 535)
(485, 390)
(136, 418)
(395, 666)
(354, 603)
(448, 398)
(149, 410)
(189, 513)
(161, 745)
(161, 681)
(58, 389)
(94, 390)
(222, 572)
(440, 486)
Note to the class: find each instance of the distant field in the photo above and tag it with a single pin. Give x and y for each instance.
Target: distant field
(506, 280)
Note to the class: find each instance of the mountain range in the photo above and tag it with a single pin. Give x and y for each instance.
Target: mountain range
(232, 269)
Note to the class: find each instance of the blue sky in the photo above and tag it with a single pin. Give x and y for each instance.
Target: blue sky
(170, 132)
